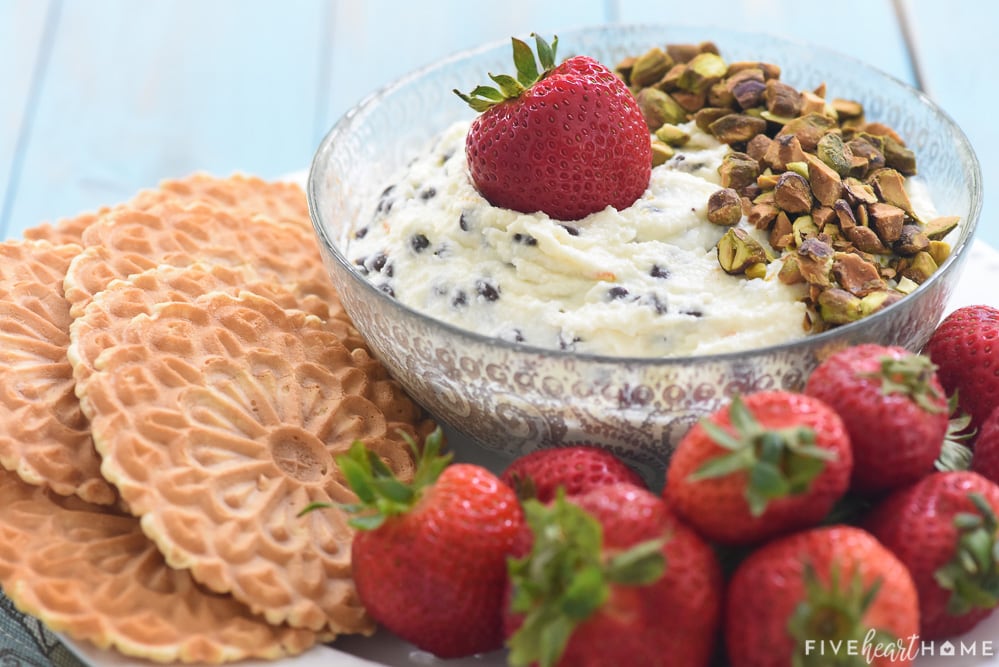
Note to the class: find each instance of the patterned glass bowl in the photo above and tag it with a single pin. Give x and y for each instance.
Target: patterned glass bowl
(512, 398)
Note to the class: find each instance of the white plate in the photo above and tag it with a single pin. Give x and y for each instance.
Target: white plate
(979, 648)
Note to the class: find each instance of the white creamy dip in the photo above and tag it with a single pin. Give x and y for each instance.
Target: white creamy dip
(644, 281)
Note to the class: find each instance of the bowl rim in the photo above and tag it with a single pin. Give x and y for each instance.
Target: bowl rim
(808, 341)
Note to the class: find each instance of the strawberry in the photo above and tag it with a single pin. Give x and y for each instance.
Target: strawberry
(429, 558)
(965, 348)
(569, 140)
(944, 529)
(611, 577)
(767, 464)
(823, 592)
(578, 469)
(894, 408)
(985, 459)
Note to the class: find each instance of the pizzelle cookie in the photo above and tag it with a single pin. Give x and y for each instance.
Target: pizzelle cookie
(67, 230)
(127, 241)
(104, 321)
(239, 195)
(221, 426)
(43, 434)
(90, 572)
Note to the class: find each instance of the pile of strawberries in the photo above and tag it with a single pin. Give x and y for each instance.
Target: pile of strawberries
(793, 526)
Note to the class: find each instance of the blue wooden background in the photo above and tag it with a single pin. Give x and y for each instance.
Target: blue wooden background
(99, 98)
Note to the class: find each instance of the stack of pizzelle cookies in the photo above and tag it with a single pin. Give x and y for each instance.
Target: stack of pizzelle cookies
(176, 375)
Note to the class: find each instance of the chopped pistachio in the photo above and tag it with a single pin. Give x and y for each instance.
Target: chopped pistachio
(889, 186)
(758, 270)
(650, 67)
(920, 267)
(782, 99)
(704, 117)
(803, 227)
(623, 69)
(939, 251)
(683, 53)
(758, 146)
(793, 193)
(912, 240)
(661, 153)
(855, 275)
(824, 180)
(834, 152)
(809, 129)
(767, 180)
(782, 150)
(770, 70)
(658, 108)
(671, 135)
(847, 108)
(823, 216)
(887, 221)
(867, 156)
(761, 214)
(670, 79)
(720, 96)
(738, 250)
(845, 215)
(875, 301)
(690, 102)
(837, 306)
(800, 167)
(738, 170)
(858, 192)
(864, 239)
(725, 207)
(898, 156)
(790, 271)
(735, 128)
(702, 71)
(812, 103)
(937, 228)
(746, 87)
(781, 234)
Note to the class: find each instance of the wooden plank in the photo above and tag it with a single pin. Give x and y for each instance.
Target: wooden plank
(373, 42)
(956, 48)
(137, 92)
(22, 45)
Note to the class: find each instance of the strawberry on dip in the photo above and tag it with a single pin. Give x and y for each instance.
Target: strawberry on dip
(568, 140)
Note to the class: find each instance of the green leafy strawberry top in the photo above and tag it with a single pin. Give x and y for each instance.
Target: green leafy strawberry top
(485, 97)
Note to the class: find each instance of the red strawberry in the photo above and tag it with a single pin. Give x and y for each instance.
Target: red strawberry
(568, 141)
(985, 459)
(577, 469)
(965, 347)
(767, 464)
(944, 529)
(611, 577)
(803, 598)
(429, 558)
(894, 409)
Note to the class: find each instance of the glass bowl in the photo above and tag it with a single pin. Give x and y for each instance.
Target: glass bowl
(512, 398)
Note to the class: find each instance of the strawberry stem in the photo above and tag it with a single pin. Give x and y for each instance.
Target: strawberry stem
(482, 98)
(778, 462)
(380, 494)
(564, 579)
(828, 623)
(972, 575)
(910, 376)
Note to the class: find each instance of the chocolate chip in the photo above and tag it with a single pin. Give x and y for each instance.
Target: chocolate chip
(617, 292)
(460, 299)
(429, 193)
(378, 262)
(486, 290)
(567, 344)
(463, 222)
(419, 242)
(573, 231)
(525, 239)
(384, 201)
(693, 313)
(361, 233)
(659, 271)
